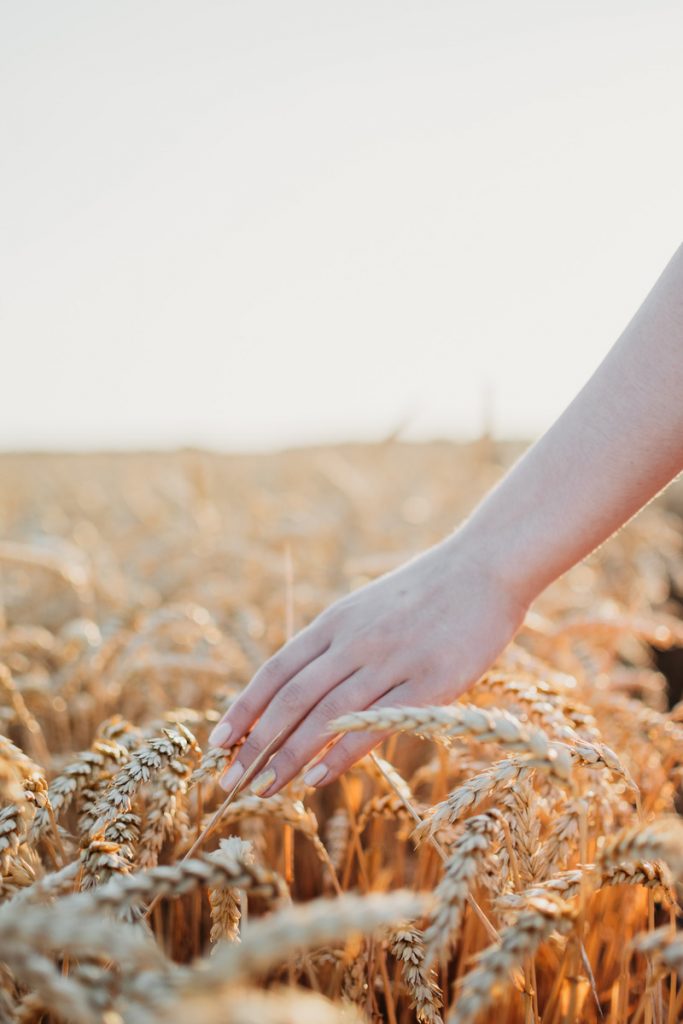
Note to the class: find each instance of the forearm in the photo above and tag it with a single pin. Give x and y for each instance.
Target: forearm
(617, 444)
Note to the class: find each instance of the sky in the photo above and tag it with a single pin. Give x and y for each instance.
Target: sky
(266, 223)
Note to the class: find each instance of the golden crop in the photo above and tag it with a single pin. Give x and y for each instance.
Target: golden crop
(513, 857)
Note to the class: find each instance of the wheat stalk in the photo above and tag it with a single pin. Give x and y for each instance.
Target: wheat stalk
(542, 916)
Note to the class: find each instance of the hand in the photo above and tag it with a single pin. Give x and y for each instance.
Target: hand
(419, 635)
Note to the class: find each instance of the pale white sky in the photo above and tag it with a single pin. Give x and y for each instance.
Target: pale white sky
(268, 222)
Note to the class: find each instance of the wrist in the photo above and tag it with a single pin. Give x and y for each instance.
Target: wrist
(498, 559)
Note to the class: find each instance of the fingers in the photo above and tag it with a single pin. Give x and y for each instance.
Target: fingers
(313, 734)
(305, 647)
(289, 706)
(351, 747)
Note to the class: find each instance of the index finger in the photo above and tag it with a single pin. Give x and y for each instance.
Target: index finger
(303, 648)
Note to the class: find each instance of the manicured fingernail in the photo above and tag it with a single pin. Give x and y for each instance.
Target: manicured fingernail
(220, 734)
(262, 782)
(232, 776)
(316, 774)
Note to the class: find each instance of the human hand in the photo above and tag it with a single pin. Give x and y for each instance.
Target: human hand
(419, 635)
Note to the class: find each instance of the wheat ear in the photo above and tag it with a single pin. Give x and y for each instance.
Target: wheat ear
(176, 879)
(407, 945)
(465, 862)
(664, 946)
(71, 926)
(486, 726)
(661, 839)
(44, 980)
(271, 939)
(80, 774)
(250, 1006)
(225, 900)
(146, 762)
(485, 785)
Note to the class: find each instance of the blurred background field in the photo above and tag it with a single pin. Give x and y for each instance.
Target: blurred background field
(114, 536)
(168, 521)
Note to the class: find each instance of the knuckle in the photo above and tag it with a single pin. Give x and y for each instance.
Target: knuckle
(375, 641)
(335, 615)
(425, 665)
(248, 753)
(342, 750)
(272, 671)
(289, 759)
(350, 748)
(329, 708)
(290, 696)
(244, 709)
(251, 748)
(338, 761)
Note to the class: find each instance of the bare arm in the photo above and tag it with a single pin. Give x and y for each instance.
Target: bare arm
(425, 632)
(617, 444)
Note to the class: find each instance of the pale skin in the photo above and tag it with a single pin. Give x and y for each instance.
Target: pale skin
(425, 632)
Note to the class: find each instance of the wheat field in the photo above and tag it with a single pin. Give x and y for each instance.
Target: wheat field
(514, 857)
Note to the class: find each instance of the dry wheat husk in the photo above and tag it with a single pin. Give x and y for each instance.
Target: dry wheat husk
(269, 939)
(407, 945)
(468, 860)
(225, 900)
(661, 839)
(664, 946)
(90, 768)
(249, 1006)
(146, 762)
(337, 837)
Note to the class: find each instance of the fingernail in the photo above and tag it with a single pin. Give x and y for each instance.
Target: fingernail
(316, 774)
(220, 734)
(262, 782)
(232, 776)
